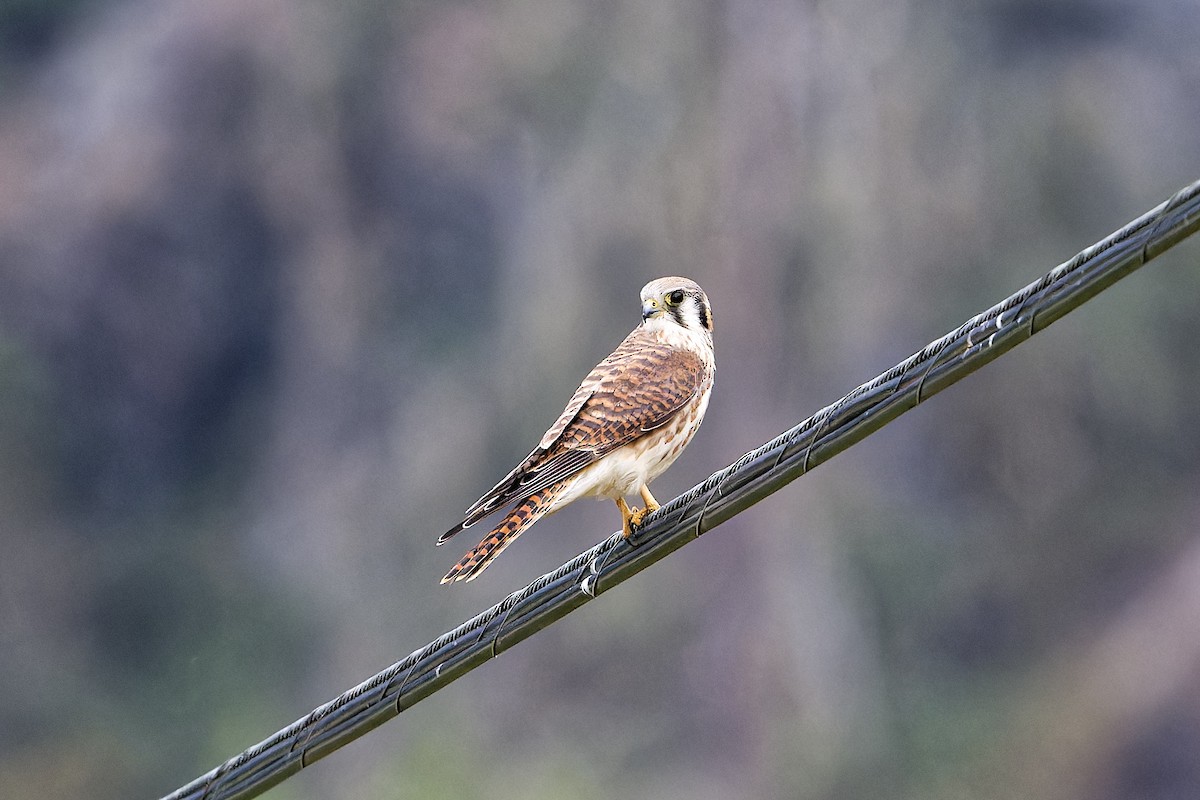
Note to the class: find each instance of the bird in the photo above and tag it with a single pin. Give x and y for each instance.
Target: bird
(626, 423)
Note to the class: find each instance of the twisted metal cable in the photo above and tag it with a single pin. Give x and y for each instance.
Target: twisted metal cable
(724, 494)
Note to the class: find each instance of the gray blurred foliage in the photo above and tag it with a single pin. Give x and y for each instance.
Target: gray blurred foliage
(286, 284)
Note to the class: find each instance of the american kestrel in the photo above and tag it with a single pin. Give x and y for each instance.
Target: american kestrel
(626, 423)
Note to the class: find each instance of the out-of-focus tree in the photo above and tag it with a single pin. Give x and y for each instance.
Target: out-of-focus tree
(285, 284)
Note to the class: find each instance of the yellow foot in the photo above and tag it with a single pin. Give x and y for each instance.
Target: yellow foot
(631, 518)
(636, 516)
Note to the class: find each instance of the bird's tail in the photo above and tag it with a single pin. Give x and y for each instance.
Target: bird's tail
(529, 511)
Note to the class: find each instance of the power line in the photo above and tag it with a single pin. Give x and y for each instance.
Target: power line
(755, 475)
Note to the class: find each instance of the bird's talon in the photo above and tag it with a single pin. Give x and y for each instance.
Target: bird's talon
(636, 517)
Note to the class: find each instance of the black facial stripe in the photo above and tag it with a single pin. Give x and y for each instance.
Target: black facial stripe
(705, 319)
(677, 315)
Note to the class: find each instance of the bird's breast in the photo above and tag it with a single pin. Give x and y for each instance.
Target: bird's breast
(625, 469)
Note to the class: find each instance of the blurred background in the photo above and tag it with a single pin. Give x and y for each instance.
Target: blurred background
(286, 284)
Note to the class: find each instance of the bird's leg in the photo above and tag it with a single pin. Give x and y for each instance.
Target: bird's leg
(651, 503)
(626, 517)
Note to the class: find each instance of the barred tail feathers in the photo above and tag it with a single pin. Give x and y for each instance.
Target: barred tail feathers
(529, 511)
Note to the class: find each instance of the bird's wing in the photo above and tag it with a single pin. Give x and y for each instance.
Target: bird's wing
(637, 389)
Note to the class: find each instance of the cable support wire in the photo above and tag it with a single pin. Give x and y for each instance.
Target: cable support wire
(733, 489)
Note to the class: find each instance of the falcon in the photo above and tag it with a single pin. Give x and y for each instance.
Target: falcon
(626, 423)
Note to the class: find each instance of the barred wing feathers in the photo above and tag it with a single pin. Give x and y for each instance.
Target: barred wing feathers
(637, 389)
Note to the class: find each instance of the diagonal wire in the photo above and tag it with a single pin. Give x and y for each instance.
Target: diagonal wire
(724, 494)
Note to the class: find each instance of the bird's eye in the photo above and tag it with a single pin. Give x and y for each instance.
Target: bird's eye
(675, 297)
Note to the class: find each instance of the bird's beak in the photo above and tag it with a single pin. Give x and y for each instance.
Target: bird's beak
(651, 308)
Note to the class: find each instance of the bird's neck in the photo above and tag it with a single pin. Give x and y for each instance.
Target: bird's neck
(672, 334)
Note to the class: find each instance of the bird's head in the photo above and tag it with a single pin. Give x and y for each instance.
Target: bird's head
(676, 301)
